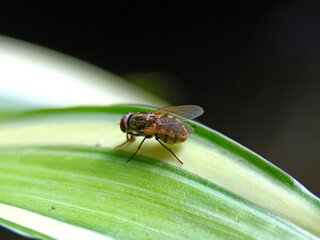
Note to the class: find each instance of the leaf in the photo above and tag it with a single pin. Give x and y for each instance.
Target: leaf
(49, 166)
(34, 77)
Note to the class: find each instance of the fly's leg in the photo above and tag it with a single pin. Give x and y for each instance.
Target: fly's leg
(131, 139)
(137, 149)
(169, 151)
(122, 144)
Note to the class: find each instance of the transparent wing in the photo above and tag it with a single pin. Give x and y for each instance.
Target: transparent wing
(173, 123)
(177, 129)
(188, 128)
(183, 111)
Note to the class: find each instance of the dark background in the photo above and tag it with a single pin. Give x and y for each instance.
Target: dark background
(253, 66)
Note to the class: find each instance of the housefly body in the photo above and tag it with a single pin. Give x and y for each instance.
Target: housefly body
(165, 124)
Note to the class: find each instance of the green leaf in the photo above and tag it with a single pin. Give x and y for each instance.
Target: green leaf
(49, 166)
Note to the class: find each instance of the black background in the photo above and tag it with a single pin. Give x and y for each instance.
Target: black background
(253, 66)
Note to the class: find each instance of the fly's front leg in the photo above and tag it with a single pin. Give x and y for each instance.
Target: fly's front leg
(124, 143)
(129, 139)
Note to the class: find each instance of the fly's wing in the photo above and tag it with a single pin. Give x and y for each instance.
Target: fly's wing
(173, 129)
(176, 130)
(188, 128)
(166, 124)
(183, 111)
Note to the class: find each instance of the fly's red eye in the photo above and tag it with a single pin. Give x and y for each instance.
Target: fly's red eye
(123, 125)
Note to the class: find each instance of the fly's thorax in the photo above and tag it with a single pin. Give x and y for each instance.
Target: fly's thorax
(138, 121)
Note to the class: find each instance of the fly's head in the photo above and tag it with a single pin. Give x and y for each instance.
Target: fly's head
(124, 122)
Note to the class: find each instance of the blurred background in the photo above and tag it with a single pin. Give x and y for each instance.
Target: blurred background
(252, 65)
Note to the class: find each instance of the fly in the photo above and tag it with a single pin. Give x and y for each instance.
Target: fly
(165, 124)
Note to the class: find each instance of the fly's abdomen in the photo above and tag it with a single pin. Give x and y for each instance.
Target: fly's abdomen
(166, 128)
(172, 133)
(171, 138)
